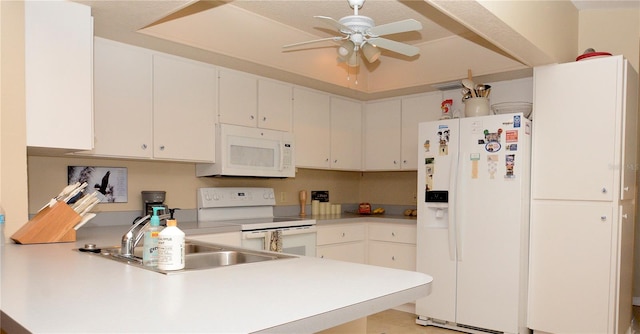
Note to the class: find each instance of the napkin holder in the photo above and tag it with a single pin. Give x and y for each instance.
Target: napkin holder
(51, 224)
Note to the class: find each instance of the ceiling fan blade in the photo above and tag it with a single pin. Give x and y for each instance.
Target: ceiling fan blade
(334, 24)
(395, 27)
(401, 48)
(335, 39)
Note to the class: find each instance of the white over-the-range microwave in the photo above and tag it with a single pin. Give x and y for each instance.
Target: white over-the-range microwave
(245, 151)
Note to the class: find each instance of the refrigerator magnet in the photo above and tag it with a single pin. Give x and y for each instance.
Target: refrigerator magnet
(510, 160)
(511, 136)
(475, 158)
(443, 135)
(492, 165)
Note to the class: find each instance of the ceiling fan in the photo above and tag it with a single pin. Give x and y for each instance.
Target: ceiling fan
(361, 34)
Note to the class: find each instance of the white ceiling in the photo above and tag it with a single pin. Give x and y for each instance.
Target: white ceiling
(248, 35)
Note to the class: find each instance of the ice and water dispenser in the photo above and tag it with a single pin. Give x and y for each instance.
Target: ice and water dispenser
(437, 204)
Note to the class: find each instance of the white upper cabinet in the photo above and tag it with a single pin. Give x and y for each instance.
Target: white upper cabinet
(311, 128)
(416, 109)
(346, 134)
(123, 105)
(238, 94)
(59, 75)
(579, 130)
(382, 129)
(152, 106)
(184, 106)
(248, 100)
(391, 130)
(275, 105)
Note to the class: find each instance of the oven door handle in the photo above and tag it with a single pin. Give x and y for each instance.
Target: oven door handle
(294, 231)
(285, 231)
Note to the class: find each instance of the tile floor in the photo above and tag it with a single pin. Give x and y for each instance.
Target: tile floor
(398, 322)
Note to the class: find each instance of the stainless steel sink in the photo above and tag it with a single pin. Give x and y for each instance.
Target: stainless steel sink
(198, 256)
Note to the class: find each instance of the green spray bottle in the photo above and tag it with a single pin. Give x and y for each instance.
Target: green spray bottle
(150, 246)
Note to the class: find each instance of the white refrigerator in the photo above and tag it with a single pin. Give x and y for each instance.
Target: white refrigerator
(473, 222)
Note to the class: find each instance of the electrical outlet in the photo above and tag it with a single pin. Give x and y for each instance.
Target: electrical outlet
(283, 196)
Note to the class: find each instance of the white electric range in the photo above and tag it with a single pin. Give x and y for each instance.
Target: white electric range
(252, 210)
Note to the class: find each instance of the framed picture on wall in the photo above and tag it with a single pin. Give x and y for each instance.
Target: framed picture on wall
(109, 183)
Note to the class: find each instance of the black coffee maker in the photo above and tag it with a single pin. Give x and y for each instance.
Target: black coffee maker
(151, 199)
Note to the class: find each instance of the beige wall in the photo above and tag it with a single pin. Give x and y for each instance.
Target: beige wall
(13, 168)
(47, 175)
(615, 30)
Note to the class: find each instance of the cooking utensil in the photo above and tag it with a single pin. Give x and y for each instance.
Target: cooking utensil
(75, 192)
(470, 85)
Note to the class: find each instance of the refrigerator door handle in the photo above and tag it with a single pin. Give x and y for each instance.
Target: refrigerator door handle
(458, 210)
(452, 207)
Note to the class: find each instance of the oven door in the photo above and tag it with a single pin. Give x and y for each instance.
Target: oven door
(295, 240)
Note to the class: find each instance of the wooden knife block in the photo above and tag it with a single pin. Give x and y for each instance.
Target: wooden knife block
(51, 224)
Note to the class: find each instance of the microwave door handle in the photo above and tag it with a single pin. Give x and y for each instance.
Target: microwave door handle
(281, 167)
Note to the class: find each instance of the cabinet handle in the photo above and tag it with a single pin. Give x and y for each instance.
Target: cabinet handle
(604, 190)
(144, 146)
(335, 161)
(404, 162)
(251, 117)
(603, 218)
(393, 258)
(395, 162)
(626, 188)
(625, 216)
(343, 234)
(264, 119)
(326, 160)
(393, 234)
(161, 147)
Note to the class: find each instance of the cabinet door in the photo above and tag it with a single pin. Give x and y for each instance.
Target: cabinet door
(416, 109)
(238, 94)
(346, 134)
(311, 127)
(122, 100)
(58, 75)
(576, 134)
(570, 267)
(382, 135)
(274, 105)
(184, 107)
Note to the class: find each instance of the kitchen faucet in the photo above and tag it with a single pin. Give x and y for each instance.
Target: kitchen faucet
(133, 236)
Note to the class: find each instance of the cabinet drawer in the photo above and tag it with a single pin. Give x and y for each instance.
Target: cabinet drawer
(340, 233)
(350, 252)
(393, 233)
(392, 255)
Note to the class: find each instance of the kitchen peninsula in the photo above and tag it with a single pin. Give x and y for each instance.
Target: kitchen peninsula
(52, 288)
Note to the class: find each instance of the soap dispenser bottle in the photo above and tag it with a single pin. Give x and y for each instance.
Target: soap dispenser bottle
(150, 245)
(171, 247)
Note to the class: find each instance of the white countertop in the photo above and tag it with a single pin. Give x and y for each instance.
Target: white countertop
(51, 288)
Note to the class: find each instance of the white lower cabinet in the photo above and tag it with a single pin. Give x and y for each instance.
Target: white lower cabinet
(344, 242)
(392, 246)
(228, 238)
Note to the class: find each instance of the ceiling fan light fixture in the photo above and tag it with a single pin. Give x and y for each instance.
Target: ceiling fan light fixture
(346, 49)
(370, 52)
